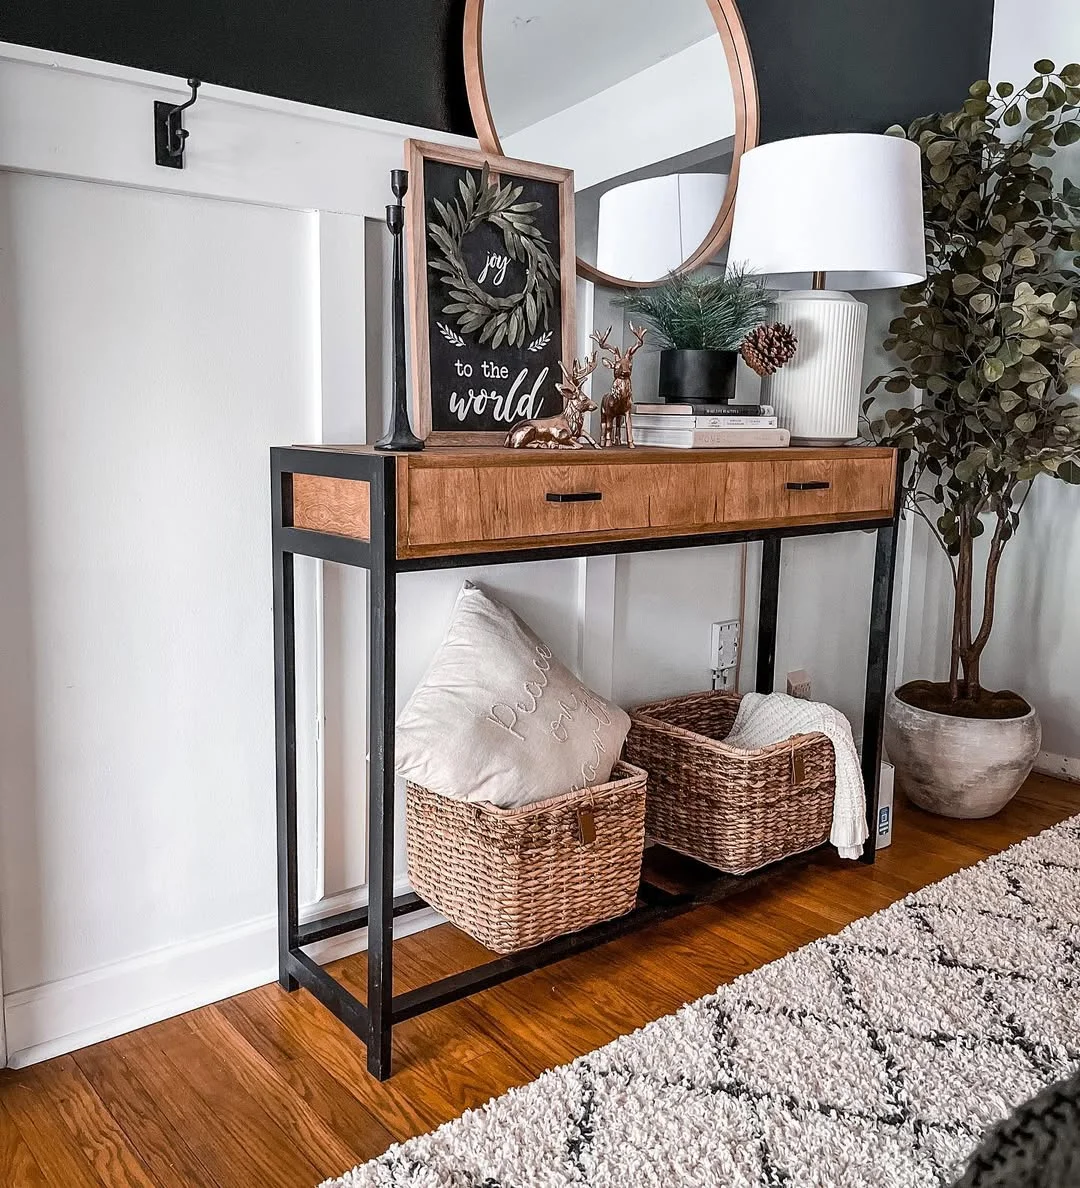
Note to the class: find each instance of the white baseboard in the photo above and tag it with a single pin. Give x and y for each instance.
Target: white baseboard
(1065, 767)
(57, 1017)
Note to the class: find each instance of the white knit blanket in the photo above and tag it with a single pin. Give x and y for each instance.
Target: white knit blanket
(766, 718)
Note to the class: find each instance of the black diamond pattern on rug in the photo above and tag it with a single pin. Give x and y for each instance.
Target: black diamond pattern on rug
(871, 1059)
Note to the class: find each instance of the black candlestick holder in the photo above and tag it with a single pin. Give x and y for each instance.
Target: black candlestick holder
(399, 434)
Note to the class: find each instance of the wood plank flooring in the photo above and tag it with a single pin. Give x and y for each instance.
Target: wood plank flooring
(267, 1089)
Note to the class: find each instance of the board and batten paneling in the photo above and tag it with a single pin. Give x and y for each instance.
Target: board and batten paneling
(160, 329)
(158, 342)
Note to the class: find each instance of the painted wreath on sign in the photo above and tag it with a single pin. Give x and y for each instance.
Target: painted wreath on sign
(513, 318)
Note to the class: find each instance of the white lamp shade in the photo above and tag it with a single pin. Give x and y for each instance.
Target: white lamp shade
(649, 227)
(847, 204)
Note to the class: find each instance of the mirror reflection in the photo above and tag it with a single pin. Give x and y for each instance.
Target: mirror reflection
(637, 98)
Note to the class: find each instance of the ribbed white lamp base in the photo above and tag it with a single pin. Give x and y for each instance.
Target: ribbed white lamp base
(816, 395)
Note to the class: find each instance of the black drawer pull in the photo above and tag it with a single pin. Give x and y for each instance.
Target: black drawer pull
(818, 485)
(574, 496)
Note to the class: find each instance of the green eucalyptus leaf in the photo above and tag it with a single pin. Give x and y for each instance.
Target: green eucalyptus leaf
(1037, 108)
(1055, 96)
(1012, 117)
(964, 284)
(1008, 400)
(1025, 422)
(1031, 371)
(939, 150)
(1044, 66)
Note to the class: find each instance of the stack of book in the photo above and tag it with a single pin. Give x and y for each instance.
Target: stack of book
(707, 426)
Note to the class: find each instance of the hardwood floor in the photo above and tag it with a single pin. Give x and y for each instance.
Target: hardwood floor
(268, 1089)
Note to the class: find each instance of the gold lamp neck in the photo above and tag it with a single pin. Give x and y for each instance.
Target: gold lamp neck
(819, 280)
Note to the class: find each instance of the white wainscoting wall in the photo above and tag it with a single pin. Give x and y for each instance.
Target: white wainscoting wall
(159, 330)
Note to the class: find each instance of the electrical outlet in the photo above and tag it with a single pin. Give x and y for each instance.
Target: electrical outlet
(798, 684)
(725, 646)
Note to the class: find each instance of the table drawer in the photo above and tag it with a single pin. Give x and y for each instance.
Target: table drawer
(500, 498)
(526, 501)
(787, 492)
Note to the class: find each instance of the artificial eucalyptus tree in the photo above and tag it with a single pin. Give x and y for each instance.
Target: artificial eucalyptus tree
(990, 338)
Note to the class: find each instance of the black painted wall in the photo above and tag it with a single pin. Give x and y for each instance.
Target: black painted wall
(861, 65)
(823, 65)
(398, 59)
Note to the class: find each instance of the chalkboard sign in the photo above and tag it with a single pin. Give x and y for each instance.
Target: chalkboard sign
(491, 281)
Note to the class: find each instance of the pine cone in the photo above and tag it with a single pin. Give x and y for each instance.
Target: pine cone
(768, 348)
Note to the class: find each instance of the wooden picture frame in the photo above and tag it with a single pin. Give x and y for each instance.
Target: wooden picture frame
(437, 404)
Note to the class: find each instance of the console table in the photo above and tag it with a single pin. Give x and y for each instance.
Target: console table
(394, 513)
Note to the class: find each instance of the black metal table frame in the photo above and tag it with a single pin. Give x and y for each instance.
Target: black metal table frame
(373, 1021)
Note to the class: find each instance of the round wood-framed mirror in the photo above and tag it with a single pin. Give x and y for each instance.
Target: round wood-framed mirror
(651, 104)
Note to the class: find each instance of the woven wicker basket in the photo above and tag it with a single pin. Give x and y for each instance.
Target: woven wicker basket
(735, 810)
(513, 878)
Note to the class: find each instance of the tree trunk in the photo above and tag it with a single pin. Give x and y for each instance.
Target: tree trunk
(961, 609)
(954, 656)
(973, 658)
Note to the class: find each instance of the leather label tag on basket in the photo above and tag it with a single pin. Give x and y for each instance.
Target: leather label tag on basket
(798, 767)
(586, 824)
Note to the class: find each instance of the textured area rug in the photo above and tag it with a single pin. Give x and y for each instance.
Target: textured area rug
(873, 1057)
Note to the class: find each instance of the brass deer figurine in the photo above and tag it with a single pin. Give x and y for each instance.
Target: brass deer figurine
(566, 431)
(615, 418)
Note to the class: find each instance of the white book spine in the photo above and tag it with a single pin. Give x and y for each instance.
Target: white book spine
(713, 439)
(649, 421)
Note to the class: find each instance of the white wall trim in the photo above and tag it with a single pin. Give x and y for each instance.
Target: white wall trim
(1064, 767)
(57, 1017)
(596, 622)
(244, 147)
(94, 68)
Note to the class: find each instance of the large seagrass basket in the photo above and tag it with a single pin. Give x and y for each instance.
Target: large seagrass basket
(513, 878)
(733, 809)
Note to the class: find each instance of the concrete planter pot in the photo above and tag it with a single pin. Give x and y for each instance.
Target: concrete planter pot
(959, 767)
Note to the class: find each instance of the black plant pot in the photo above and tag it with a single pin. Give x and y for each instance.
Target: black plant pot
(697, 377)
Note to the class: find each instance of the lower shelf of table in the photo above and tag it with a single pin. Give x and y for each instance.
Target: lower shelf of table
(671, 885)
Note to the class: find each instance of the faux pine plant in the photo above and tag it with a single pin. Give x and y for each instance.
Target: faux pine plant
(990, 339)
(702, 312)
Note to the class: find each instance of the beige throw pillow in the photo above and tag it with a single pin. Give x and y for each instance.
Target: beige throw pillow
(498, 718)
